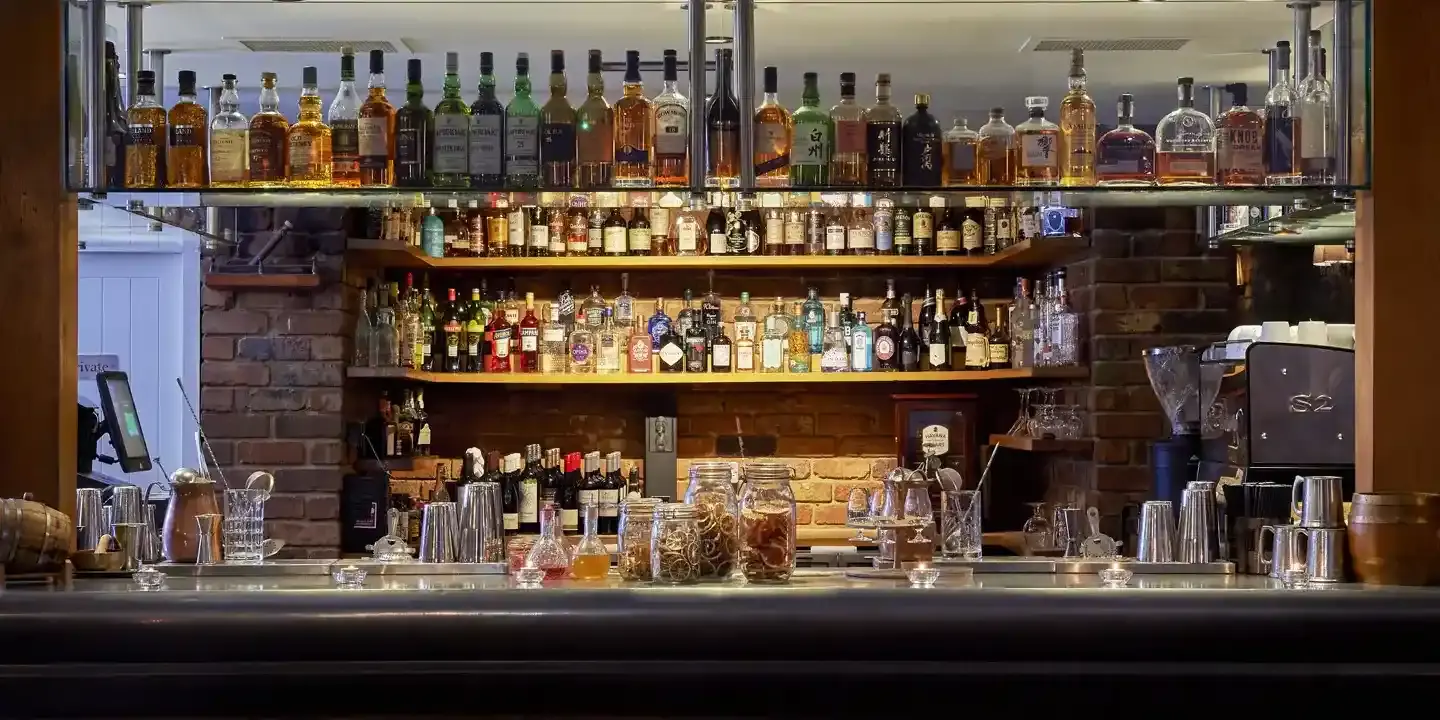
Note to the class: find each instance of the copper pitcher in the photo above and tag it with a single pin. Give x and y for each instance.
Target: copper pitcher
(191, 495)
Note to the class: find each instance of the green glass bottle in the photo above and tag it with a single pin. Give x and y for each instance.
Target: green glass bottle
(450, 161)
(813, 139)
(522, 132)
(414, 133)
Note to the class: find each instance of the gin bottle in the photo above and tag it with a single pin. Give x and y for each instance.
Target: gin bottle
(608, 347)
(797, 345)
(836, 356)
(746, 328)
(552, 343)
(862, 341)
(582, 349)
(658, 325)
(773, 342)
(814, 313)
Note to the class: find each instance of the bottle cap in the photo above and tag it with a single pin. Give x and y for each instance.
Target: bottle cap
(772, 78)
(595, 62)
(557, 61)
(1036, 101)
(228, 77)
(922, 99)
(452, 63)
(413, 71)
(187, 82)
(487, 63)
(882, 79)
(522, 64)
(377, 62)
(309, 75)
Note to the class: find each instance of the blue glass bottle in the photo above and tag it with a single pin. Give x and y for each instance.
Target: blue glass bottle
(432, 235)
(814, 318)
(658, 325)
(862, 343)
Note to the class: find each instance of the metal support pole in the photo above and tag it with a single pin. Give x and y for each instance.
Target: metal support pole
(698, 161)
(1342, 91)
(1301, 43)
(134, 46)
(1272, 63)
(745, 87)
(157, 64)
(95, 125)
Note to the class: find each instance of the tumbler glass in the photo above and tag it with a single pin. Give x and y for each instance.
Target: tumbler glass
(960, 532)
(243, 535)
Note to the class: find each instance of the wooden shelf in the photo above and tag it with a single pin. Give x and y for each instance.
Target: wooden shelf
(715, 378)
(257, 281)
(1045, 445)
(384, 253)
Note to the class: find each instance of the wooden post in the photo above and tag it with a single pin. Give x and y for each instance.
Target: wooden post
(38, 256)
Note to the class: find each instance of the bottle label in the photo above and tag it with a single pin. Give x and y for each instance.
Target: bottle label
(529, 503)
(1241, 151)
(745, 330)
(671, 128)
(659, 221)
(485, 150)
(720, 356)
(540, 236)
(947, 240)
(922, 158)
(834, 237)
(859, 352)
(717, 243)
(772, 353)
(302, 153)
(631, 154)
(529, 339)
(227, 156)
(794, 233)
(639, 239)
(344, 144)
(849, 137)
(882, 146)
(589, 497)
(685, 237)
(615, 239)
(609, 503)
(884, 347)
(939, 354)
(659, 327)
(409, 151)
(374, 139)
(144, 134)
(452, 147)
(624, 309)
(752, 239)
(522, 134)
(501, 347)
(575, 239)
(962, 158)
(185, 136)
(1038, 150)
(999, 353)
(512, 521)
(771, 141)
(557, 143)
(972, 234)
(862, 238)
(569, 519)
(884, 229)
(640, 351)
(473, 333)
(594, 238)
(811, 145)
(516, 234)
(977, 350)
(923, 224)
(580, 353)
(671, 354)
(774, 231)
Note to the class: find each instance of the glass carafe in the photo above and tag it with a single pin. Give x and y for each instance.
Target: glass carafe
(717, 513)
(549, 553)
(767, 523)
(590, 561)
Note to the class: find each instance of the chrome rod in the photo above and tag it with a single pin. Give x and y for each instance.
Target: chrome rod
(95, 97)
(745, 87)
(1301, 43)
(698, 161)
(134, 47)
(1272, 61)
(157, 64)
(1342, 72)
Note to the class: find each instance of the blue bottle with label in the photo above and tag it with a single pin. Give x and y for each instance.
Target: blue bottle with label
(432, 235)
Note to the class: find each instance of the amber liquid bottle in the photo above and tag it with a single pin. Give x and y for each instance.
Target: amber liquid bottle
(634, 128)
(1077, 128)
(773, 128)
(310, 139)
(377, 129)
(185, 164)
(594, 131)
(557, 130)
(268, 129)
(145, 142)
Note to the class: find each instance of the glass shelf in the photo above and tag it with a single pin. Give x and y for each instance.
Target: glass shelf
(1058, 373)
(1329, 224)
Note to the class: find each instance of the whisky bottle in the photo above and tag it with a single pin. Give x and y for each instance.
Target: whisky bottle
(1282, 126)
(413, 132)
(1239, 141)
(637, 233)
(634, 128)
(1037, 147)
(1126, 155)
(487, 116)
(1077, 128)
(811, 140)
(847, 165)
(229, 129)
(557, 130)
(558, 226)
(924, 155)
(972, 227)
(1317, 147)
(115, 128)
(860, 233)
(672, 131)
(616, 234)
(309, 139)
(977, 335)
(344, 118)
(882, 137)
(268, 147)
(722, 125)
(539, 218)
(1185, 142)
(185, 165)
(145, 143)
(595, 133)
(522, 132)
(960, 164)
(772, 136)
(376, 129)
(451, 160)
(998, 342)
(994, 146)
(721, 347)
(576, 235)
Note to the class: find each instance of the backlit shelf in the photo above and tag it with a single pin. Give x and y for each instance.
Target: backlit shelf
(420, 376)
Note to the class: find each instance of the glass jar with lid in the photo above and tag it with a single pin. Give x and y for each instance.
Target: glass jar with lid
(637, 518)
(675, 544)
(717, 513)
(767, 523)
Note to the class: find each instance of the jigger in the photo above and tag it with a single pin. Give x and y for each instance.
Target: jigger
(439, 533)
(1157, 532)
(208, 552)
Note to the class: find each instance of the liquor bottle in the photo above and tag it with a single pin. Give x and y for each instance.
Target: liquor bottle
(904, 231)
(522, 131)
(637, 233)
(662, 241)
(625, 307)
(229, 130)
(745, 335)
(610, 495)
(670, 345)
(773, 241)
(609, 344)
(847, 316)
(1077, 128)
(549, 478)
(835, 231)
(716, 230)
(539, 220)
(721, 350)
(947, 233)
(593, 309)
(582, 346)
(688, 234)
(529, 337)
(886, 338)
(1037, 147)
(476, 318)
(591, 560)
(797, 343)
(530, 480)
(972, 227)
(835, 356)
(634, 128)
(672, 130)
(432, 235)
(414, 134)
(909, 342)
(884, 222)
(428, 337)
(923, 150)
(309, 139)
(811, 139)
(616, 234)
(450, 159)
(452, 328)
(1126, 155)
(922, 230)
(1317, 147)
(710, 309)
(639, 351)
(1185, 142)
(498, 337)
(977, 335)
(774, 338)
(375, 129)
(847, 165)
(994, 158)
(722, 126)
(344, 119)
(557, 130)
(116, 130)
(486, 147)
(998, 342)
(145, 144)
(364, 331)
(553, 356)
(1282, 124)
(958, 316)
(961, 144)
(422, 425)
(772, 136)
(883, 146)
(696, 348)
(937, 355)
(510, 500)
(595, 131)
(185, 165)
(265, 141)
(860, 233)
(404, 427)
(813, 314)
(794, 230)
(1240, 143)
(595, 229)
(735, 227)
(658, 325)
(576, 240)
(568, 494)
(862, 345)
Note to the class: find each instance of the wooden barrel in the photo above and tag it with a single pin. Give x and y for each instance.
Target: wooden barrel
(33, 537)
(1394, 538)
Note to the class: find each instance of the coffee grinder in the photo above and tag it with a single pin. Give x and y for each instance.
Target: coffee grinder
(1185, 389)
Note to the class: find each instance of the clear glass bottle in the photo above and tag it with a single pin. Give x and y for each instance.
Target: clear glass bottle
(229, 161)
(961, 146)
(593, 309)
(847, 164)
(1125, 155)
(687, 317)
(582, 348)
(363, 331)
(711, 493)
(862, 345)
(773, 130)
(625, 321)
(860, 232)
(637, 520)
(590, 561)
(1037, 147)
(835, 350)
(767, 524)
(672, 130)
(774, 339)
(553, 358)
(634, 128)
(994, 159)
(1077, 128)
(450, 158)
(309, 139)
(1282, 124)
(746, 335)
(1185, 142)
(797, 345)
(608, 347)
(1317, 146)
(385, 339)
(550, 552)
(675, 544)
(522, 132)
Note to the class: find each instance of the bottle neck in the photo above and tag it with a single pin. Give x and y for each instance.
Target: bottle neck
(452, 86)
(558, 88)
(595, 85)
(882, 94)
(810, 97)
(522, 86)
(310, 103)
(592, 520)
(415, 93)
(487, 87)
(269, 99)
(377, 84)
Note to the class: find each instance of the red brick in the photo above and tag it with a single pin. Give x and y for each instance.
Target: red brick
(224, 450)
(211, 298)
(843, 489)
(308, 425)
(272, 300)
(328, 452)
(844, 424)
(326, 400)
(785, 424)
(1127, 425)
(804, 514)
(217, 347)
(328, 348)
(695, 447)
(232, 322)
(1140, 270)
(1139, 322)
(274, 348)
(282, 506)
(307, 374)
(270, 452)
(303, 533)
(868, 445)
(1192, 269)
(805, 446)
(237, 425)
(322, 507)
(217, 372)
(1112, 451)
(1122, 478)
(217, 399)
(831, 514)
(312, 322)
(273, 399)
(1164, 297)
(300, 480)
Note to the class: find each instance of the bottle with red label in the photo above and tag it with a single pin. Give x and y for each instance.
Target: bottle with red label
(639, 352)
(497, 338)
(529, 359)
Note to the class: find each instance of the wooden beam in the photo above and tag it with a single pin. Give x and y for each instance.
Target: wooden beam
(38, 258)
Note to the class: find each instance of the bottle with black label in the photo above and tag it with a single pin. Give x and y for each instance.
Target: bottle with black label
(487, 119)
(715, 230)
(672, 350)
(696, 348)
(413, 132)
(923, 230)
(593, 481)
(924, 154)
(734, 230)
(887, 339)
(616, 234)
(720, 350)
(999, 340)
(638, 233)
(557, 130)
(904, 234)
(510, 493)
(883, 137)
(958, 314)
(568, 494)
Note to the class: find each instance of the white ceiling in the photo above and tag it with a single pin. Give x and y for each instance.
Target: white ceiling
(968, 54)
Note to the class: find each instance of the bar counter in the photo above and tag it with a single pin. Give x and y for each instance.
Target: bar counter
(823, 646)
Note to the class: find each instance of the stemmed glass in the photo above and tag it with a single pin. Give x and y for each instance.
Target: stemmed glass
(857, 513)
(918, 511)
(1023, 424)
(1037, 532)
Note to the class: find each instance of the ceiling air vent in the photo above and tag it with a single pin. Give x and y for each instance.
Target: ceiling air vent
(1127, 45)
(315, 46)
